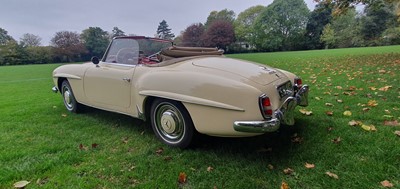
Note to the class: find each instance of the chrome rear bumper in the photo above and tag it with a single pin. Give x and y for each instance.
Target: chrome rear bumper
(283, 115)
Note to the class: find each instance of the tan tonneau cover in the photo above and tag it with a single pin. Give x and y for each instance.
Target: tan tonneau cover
(179, 52)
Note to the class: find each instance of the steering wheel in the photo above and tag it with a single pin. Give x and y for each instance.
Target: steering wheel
(124, 54)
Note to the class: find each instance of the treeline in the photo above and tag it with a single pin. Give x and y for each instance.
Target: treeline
(287, 25)
(65, 46)
(284, 25)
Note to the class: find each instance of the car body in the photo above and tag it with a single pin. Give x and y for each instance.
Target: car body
(183, 91)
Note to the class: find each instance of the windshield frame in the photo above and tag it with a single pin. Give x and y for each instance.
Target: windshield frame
(135, 38)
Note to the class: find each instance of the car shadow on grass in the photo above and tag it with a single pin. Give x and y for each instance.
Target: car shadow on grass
(276, 144)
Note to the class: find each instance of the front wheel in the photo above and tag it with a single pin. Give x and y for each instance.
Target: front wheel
(171, 123)
(68, 97)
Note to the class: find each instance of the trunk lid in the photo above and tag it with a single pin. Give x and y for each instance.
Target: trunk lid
(257, 73)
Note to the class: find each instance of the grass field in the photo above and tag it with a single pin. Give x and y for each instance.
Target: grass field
(44, 144)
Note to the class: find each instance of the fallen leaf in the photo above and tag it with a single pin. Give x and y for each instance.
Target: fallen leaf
(368, 127)
(82, 147)
(159, 151)
(94, 145)
(332, 175)
(309, 165)
(337, 140)
(329, 113)
(347, 113)
(355, 123)
(387, 116)
(284, 185)
(21, 184)
(270, 167)
(168, 158)
(386, 184)
(209, 169)
(366, 109)
(329, 129)
(385, 88)
(125, 140)
(64, 115)
(391, 123)
(182, 178)
(305, 112)
(339, 87)
(372, 88)
(288, 171)
(317, 98)
(339, 101)
(328, 104)
(352, 88)
(397, 133)
(372, 103)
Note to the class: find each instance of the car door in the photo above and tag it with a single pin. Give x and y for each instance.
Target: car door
(108, 84)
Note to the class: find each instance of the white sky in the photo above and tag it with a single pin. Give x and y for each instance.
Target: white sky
(46, 17)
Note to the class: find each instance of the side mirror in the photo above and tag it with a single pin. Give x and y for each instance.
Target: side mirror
(95, 60)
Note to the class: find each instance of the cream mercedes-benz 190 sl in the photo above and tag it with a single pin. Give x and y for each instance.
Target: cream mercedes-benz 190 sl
(183, 91)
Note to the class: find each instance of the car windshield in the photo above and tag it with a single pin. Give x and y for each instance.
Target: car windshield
(132, 51)
(150, 47)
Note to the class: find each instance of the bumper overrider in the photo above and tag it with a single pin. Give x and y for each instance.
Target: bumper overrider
(283, 115)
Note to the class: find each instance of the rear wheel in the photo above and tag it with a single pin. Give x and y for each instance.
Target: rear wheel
(171, 123)
(68, 97)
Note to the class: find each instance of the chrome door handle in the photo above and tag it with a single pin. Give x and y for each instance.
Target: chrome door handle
(127, 79)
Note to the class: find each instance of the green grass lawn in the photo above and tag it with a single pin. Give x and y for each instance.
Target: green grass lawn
(42, 143)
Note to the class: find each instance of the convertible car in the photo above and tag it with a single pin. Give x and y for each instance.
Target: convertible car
(183, 91)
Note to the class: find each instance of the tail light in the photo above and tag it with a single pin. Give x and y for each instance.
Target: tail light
(298, 82)
(265, 106)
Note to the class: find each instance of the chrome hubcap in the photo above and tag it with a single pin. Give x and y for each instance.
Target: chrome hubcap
(67, 98)
(169, 122)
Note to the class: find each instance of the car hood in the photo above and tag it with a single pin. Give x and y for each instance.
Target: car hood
(258, 73)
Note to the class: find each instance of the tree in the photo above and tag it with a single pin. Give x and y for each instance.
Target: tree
(378, 18)
(328, 36)
(163, 31)
(192, 36)
(30, 40)
(219, 34)
(117, 32)
(281, 25)
(342, 6)
(343, 31)
(391, 36)
(319, 18)
(39, 54)
(4, 37)
(12, 53)
(226, 15)
(95, 40)
(244, 24)
(67, 46)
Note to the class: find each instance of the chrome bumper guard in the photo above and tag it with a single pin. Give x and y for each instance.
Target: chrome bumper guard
(283, 115)
(54, 89)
